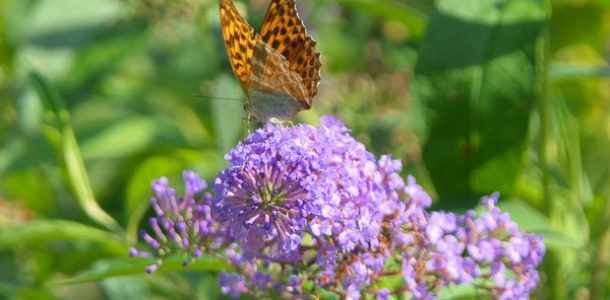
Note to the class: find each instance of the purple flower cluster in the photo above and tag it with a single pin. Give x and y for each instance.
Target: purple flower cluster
(182, 224)
(459, 249)
(284, 183)
(302, 209)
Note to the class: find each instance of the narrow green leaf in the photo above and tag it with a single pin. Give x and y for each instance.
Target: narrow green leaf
(50, 230)
(49, 96)
(75, 165)
(572, 71)
(134, 266)
(80, 182)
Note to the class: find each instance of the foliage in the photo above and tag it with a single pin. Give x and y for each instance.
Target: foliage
(100, 97)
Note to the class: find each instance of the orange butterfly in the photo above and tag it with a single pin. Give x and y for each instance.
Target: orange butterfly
(279, 68)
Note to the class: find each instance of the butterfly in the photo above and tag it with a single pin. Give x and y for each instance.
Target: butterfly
(278, 68)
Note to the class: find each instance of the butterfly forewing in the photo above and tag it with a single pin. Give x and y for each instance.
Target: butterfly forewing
(284, 32)
(279, 68)
(270, 73)
(239, 38)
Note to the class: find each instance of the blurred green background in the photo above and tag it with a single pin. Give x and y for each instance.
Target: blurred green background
(99, 97)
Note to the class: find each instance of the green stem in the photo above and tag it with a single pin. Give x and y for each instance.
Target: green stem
(553, 288)
(601, 262)
(542, 63)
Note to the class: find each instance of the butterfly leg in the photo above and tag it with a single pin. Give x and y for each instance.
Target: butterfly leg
(280, 122)
(248, 117)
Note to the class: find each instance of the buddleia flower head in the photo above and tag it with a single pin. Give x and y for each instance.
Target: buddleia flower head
(182, 224)
(285, 186)
(306, 208)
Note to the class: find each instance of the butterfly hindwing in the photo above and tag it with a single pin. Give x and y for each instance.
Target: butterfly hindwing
(239, 38)
(275, 91)
(284, 32)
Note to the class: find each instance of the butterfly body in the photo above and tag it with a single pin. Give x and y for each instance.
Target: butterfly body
(275, 108)
(275, 92)
(279, 68)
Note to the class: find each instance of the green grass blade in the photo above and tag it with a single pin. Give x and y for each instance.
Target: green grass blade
(73, 160)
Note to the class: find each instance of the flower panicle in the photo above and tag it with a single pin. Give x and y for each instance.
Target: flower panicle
(304, 208)
(182, 225)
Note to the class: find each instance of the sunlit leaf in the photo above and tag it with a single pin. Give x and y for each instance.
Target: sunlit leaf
(530, 220)
(579, 22)
(37, 232)
(572, 71)
(51, 15)
(478, 94)
(111, 142)
(133, 266)
(128, 287)
(391, 10)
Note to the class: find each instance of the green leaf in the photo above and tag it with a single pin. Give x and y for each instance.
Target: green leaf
(139, 192)
(111, 142)
(9, 153)
(478, 32)
(392, 10)
(51, 15)
(73, 160)
(460, 292)
(135, 266)
(530, 220)
(37, 232)
(7, 290)
(110, 48)
(7, 50)
(126, 288)
(572, 71)
(207, 288)
(579, 23)
(227, 114)
(526, 216)
(478, 95)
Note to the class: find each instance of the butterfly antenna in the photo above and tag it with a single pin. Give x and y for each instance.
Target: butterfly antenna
(218, 98)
